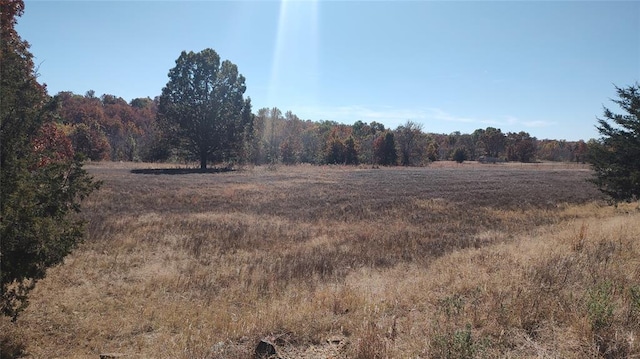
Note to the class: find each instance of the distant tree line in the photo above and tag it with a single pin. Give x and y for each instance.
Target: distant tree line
(202, 115)
(109, 128)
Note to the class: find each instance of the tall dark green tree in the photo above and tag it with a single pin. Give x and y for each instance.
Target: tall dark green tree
(350, 151)
(202, 108)
(41, 181)
(615, 157)
(385, 150)
(460, 154)
(335, 152)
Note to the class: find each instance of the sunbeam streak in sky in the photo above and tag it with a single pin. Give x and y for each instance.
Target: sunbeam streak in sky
(296, 44)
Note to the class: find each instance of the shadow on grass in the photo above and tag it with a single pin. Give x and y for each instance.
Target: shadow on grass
(179, 171)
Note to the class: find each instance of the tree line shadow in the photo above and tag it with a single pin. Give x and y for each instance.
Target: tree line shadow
(179, 171)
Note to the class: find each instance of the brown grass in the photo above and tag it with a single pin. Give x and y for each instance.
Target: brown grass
(442, 262)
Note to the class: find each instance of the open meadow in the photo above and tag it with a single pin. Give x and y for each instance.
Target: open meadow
(446, 261)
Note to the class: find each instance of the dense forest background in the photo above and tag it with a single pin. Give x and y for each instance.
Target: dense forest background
(110, 128)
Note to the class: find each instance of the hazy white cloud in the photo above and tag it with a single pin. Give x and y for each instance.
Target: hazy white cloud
(511, 120)
(441, 115)
(350, 114)
(431, 118)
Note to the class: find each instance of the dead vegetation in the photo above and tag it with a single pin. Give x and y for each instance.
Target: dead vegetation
(452, 262)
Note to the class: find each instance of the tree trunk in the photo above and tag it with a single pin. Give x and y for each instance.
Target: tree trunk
(203, 161)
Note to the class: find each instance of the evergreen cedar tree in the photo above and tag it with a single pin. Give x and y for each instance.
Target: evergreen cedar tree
(460, 155)
(202, 108)
(615, 157)
(41, 180)
(385, 150)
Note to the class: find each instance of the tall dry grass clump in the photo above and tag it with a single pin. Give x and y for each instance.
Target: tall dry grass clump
(569, 290)
(345, 263)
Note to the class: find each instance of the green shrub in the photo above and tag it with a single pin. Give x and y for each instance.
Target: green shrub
(600, 307)
(458, 344)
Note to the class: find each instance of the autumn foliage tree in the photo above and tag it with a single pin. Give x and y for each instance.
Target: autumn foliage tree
(385, 149)
(520, 146)
(408, 138)
(335, 151)
(340, 146)
(90, 141)
(42, 182)
(109, 128)
(493, 141)
(580, 151)
(202, 108)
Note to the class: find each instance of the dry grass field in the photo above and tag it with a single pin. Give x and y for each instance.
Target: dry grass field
(458, 261)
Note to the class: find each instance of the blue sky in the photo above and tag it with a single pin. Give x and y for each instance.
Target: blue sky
(544, 67)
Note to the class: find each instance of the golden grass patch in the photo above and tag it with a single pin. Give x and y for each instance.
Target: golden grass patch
(515, 262)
